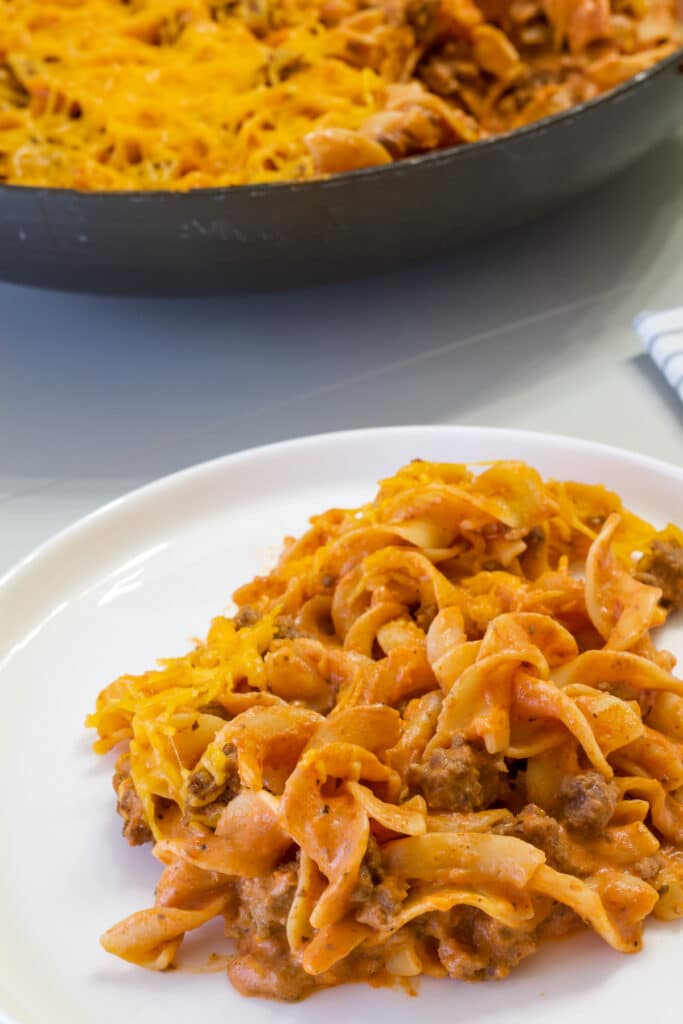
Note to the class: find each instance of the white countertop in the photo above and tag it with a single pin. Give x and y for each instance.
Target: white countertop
(533, 329)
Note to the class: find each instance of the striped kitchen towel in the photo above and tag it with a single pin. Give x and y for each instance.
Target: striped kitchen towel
(662, 335)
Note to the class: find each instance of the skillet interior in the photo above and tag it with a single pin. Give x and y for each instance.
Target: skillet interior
(262, 237)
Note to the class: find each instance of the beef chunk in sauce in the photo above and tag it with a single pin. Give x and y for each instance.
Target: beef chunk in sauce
(263, 965)
(376, 897)
(423, 17)
(203, 790)
(473, 946)
(534, 826)
(271, 974)
(460, 778)
(588, 801)
(265, 903)
(286, 628)
(246, 616)
(560, 921)
(502, 947)
(663, 567)
(648, 868)
(129, 805)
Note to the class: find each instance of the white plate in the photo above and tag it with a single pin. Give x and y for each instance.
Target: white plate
(137, 580)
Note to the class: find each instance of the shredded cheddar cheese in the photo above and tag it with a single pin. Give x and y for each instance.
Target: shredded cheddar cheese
(181, 94)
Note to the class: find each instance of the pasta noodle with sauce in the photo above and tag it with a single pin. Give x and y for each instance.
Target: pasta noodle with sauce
(436, 734)
(182, 94)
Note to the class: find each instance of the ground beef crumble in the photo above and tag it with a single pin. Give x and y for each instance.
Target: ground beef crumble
(462, 777)
(129, 805)
(246, 616)
(648, 868)
(587, 802)
(203, 791)
(541, 830)
(264, 965)
(662, 567)
(376, 898)
(473, 946)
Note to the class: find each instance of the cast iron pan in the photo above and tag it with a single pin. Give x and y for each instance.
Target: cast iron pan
(264, 237)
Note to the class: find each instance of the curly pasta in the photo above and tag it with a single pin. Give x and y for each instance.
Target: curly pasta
(181, 94)
(435, 734)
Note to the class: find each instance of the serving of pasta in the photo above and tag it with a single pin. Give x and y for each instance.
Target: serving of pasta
(180, 94)
(437, 733)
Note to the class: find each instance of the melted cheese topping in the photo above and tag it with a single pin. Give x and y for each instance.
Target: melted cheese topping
(180, 94)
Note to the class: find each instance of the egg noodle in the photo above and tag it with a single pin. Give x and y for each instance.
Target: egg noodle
(436, 734)
(182, 94)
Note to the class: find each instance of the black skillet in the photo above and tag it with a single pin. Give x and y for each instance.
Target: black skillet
(271, 236)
